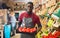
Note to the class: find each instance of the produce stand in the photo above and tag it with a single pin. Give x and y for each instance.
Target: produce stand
(49, 23)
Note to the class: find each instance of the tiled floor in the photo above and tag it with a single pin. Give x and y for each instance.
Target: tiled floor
(16, 36)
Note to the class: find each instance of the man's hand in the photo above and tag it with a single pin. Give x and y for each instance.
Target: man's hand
(39, 29)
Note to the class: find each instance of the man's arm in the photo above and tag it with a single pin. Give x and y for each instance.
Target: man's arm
(19, 24)
(39, 27)
(39, 24)
(20, 20)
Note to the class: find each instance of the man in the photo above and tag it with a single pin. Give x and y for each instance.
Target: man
(29, 19)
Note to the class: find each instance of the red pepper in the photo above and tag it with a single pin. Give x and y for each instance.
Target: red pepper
(45, 36)
(31, 30)
(20, 29)
(28, 30)
(34, 29)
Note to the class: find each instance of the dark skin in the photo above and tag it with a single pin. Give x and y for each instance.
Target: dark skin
(29, 8)
(29, 11)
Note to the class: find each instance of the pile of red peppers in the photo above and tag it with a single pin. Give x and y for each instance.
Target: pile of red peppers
(27, 30)
(50, 35)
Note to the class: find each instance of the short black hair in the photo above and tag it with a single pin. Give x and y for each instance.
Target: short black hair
(30, 3)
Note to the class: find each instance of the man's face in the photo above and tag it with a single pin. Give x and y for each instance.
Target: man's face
(29, 8)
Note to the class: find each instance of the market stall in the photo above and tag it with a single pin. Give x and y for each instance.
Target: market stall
(50, 20)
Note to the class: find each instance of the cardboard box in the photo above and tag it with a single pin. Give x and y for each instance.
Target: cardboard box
(50, 3)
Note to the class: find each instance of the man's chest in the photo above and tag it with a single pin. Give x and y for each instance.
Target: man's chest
(29, 18)
(29, 21)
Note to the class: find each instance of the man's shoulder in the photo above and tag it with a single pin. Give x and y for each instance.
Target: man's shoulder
(35, 15)
(22, 13)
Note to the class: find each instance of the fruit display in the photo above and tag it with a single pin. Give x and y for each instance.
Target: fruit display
(57, 12)
(44, 11)
(50, 11)
(51, 23)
